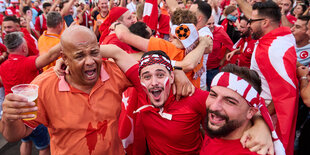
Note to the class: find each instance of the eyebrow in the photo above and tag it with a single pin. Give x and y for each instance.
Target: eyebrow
(160, 70)
(145, 73)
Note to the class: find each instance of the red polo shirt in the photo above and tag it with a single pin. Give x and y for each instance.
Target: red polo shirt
(18, 69)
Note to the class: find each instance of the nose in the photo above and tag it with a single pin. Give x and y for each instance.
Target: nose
(89, 60)
(217, 104)
(154, 81)
(293, 28)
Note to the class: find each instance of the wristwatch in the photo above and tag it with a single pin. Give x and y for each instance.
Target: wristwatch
(177, 68)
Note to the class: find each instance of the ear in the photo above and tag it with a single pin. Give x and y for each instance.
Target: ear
(251, 112)
(171, 77)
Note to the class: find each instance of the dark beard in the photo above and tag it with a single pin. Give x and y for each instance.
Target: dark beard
(257, 35)
(245, 34)
(223, 131)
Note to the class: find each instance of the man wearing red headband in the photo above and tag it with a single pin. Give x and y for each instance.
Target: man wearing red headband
(170, 126)
(232, 103)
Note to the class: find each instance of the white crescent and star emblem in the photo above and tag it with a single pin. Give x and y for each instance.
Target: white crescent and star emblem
(303, 54)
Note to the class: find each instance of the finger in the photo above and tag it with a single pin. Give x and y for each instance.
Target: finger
(13, 97)
(193, 90)
(271, 150)
(263, 150)
(255, 148)
(17, 117)
(15, 111)
(250, 143)
(174, 89)
(244, 139)
(184, 91)
(178, 93)
(15, 104)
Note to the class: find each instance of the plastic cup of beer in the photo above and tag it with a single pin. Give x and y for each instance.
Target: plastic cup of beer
(29, 91)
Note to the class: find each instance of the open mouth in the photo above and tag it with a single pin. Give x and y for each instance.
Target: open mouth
(215, 119)
(156, 93)
(91, 74)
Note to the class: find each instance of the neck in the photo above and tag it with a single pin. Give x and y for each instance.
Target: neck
(52, 31)
(270, 28)
(104, 13)
(302, 42)
(237, 134)
(84, 88)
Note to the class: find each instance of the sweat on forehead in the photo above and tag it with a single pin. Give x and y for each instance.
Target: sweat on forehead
(78, 35)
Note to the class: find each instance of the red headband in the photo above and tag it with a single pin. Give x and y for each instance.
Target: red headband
(154, 59)
(242, 87)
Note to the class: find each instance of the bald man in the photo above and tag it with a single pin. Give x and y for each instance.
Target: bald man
(80, 109)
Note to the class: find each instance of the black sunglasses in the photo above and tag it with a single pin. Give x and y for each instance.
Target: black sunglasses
(254, 20)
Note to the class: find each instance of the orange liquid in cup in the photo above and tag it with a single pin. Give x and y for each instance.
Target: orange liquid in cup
(28, 113)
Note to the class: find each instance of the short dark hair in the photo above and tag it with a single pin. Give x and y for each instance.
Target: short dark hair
(245, 73)
(204, 8)
(25, 9)
(268, 9)
(53, 19)
(11, 18)
(13, 40)
(180, 16)
(46, 4)
(244, 18)
(139, 28)
(304, 18)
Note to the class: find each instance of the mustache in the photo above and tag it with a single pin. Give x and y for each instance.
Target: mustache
(156, 87)
(218, 114)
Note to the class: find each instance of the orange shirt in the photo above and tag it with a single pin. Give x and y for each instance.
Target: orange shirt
(80, 123)
(99, 18)
(46, 42)
(177, 55)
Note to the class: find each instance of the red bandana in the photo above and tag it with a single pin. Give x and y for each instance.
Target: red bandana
(154, 59)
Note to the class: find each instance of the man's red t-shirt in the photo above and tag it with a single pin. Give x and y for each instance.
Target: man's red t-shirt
(178, 135)
(18, 69)
(38, 26)
(219, 146)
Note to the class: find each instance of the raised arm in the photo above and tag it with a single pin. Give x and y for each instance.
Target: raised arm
(192, 59)
(124, 35)
(245, 7)
(121, 57)
(49, 57)
(66, 8)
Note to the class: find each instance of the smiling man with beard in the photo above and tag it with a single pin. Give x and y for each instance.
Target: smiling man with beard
(232, 102)
(274, 59)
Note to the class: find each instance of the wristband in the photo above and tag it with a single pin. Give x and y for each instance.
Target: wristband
(303, 78)
(177, 68)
